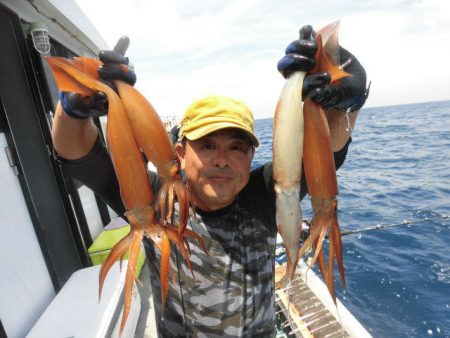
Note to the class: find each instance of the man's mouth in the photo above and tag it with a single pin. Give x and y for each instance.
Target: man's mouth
(220, 178)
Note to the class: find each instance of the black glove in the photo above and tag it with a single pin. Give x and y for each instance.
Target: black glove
(300, 54)
(349, 94)
(81, 107)
(114, 62)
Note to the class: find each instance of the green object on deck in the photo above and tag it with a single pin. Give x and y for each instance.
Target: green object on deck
(101, 247)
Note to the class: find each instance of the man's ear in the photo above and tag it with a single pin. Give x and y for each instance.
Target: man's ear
(180, 153)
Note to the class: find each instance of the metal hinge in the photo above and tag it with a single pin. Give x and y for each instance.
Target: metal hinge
(12, 164)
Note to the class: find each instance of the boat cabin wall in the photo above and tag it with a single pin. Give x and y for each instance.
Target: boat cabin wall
(48, 220)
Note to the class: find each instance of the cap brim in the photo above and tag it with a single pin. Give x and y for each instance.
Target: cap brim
(212, 127)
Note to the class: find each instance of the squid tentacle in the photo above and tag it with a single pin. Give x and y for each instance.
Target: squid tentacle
(191, 233)
(329, 277)
(162, 197)
(133, 256)
(118, 251)
(164, 267)
(170, 202)
(173, 236)
(183, 206)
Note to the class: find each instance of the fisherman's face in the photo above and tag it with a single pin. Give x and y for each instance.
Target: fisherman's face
(217, 167)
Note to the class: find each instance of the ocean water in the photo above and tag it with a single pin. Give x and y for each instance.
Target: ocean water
(397, 169)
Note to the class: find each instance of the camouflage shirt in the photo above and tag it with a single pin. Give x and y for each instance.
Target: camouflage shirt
(232, 291)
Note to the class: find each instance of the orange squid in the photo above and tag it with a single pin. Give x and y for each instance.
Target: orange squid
(80, 76)
(320, 169)
(153, 140)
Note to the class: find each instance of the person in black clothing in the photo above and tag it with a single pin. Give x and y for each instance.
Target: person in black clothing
(233, 290)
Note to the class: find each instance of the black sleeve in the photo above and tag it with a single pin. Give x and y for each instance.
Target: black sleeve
(339, 158)
(96, 171)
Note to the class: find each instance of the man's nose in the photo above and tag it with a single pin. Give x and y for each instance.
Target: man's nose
(221, 159)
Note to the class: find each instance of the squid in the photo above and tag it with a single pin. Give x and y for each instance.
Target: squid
(134, 126)
(301, 133)
(153, 140)
(287, 166)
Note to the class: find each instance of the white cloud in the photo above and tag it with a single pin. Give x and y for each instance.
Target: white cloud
(183, 50)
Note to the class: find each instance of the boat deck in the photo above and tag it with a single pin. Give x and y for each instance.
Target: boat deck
(306, 314)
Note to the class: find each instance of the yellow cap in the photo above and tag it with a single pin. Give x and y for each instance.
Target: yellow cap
(213, 113)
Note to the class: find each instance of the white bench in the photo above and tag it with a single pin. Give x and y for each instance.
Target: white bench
(76, 311)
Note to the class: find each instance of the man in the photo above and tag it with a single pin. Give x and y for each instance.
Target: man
(232, 293)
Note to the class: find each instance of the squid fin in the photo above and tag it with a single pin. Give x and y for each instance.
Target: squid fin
(65, 81)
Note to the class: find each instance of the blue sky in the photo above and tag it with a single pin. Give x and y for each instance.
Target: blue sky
(183, 50)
